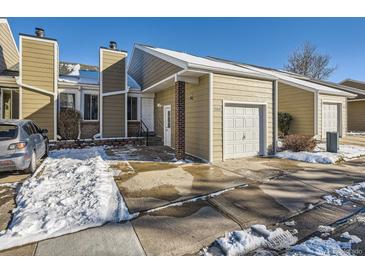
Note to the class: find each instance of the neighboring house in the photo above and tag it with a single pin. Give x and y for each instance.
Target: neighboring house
(356, 106)
(316, 106)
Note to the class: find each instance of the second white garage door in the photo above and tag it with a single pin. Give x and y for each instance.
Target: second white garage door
(243, 130)
(330, 118)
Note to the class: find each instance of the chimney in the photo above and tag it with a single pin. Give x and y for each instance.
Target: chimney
(39, 32)
(113, 45)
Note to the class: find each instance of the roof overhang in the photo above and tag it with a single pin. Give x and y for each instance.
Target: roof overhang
(8, 81)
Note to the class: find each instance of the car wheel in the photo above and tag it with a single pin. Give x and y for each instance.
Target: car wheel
(32, 165)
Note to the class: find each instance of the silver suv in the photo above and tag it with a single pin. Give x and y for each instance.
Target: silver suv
(22, 145)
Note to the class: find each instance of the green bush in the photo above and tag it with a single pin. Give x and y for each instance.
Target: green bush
(299, 143)
(69, 124)
(284, 120)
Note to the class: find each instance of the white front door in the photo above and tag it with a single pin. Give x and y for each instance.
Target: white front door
(167, 125)
(330, 118)
(147, 113)
(243, 130)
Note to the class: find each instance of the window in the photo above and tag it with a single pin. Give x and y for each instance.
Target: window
(132, 108)
(10, 104)
(8, 132)
(67, 100)
(90, 107)
(28, 129)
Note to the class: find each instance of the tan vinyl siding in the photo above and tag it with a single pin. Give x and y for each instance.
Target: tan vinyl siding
(39, 107)
(38, 64)
(8, 52)
(113, 70)
(114, 116)
(196, 116)
(239, 89)
(356, 116)
(300, 104)
(164, 98)
(323, 98)
(147, 69)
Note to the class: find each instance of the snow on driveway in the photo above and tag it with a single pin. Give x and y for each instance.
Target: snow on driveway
(73, 190)
(355, 192)
(321, 156)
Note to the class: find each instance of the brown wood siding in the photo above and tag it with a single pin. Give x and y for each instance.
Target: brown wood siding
(147, 69)
(164, 98)
(114, 65)
(39, 107)
(38, 64)
(114, 116)
(240, 89)
(8, 53)
(323, 98)
(356, 116)
(300, 104)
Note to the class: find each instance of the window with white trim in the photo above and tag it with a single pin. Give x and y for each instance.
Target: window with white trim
(91, 107)
(132, 108)
(67, 100)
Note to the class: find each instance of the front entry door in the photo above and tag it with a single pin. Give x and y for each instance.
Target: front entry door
(167, 125)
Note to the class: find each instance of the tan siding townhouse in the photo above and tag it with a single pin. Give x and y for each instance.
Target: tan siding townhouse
(356, 106)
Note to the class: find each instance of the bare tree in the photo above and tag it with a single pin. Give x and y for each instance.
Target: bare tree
(307, 61)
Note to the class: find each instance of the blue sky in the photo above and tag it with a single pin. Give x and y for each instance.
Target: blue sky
(260, 41)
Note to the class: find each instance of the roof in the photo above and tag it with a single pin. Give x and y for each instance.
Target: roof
(190, 61)
(360, 91)
(298, 80)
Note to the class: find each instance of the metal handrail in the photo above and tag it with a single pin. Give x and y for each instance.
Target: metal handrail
(143, 130)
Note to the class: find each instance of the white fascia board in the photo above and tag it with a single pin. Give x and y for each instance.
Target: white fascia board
(162, 56)
(338, 93)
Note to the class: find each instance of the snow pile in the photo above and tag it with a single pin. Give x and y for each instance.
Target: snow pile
(319, 155)
(356, 133)
(325, 229)
(355, 192)
(353, 239)
(319, 247)
(242, 242)
(73, 191)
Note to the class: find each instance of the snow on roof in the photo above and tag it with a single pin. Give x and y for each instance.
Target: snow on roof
(186, 60)
(289, 79)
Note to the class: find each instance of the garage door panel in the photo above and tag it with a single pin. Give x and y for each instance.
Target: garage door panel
(242, 136)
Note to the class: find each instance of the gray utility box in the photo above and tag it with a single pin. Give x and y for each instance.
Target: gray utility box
(332, 141)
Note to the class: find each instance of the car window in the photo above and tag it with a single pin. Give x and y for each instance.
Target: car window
(8, 132)
(34, 128)
(27, 129)
(37, 128)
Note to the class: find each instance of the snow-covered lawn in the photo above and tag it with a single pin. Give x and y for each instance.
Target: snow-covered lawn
(319, 155)
(73, 190)
(354, 192)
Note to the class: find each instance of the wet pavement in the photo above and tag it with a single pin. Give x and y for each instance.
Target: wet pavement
(146, 185)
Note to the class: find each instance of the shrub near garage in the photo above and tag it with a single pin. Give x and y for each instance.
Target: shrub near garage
(298, 143)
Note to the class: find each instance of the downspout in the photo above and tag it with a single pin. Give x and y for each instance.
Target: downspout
(275, 116)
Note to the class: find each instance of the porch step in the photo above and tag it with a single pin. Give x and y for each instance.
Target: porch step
(155, 141)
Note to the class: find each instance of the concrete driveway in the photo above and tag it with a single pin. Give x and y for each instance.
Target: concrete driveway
(184, 207)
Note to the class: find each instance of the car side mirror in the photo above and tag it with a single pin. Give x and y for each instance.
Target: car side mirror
(44, 131)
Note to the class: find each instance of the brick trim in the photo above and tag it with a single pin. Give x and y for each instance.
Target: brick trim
(180, 120)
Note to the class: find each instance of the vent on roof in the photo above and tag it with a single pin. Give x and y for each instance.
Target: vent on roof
(112, 45)
(39, 32)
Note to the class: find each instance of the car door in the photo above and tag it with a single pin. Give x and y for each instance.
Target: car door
(31, 138)
(38, 140)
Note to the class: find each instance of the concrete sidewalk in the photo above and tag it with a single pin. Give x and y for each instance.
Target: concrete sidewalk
(107, 240)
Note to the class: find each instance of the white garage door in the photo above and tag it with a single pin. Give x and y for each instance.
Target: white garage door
(330, 118)
(242, 130)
